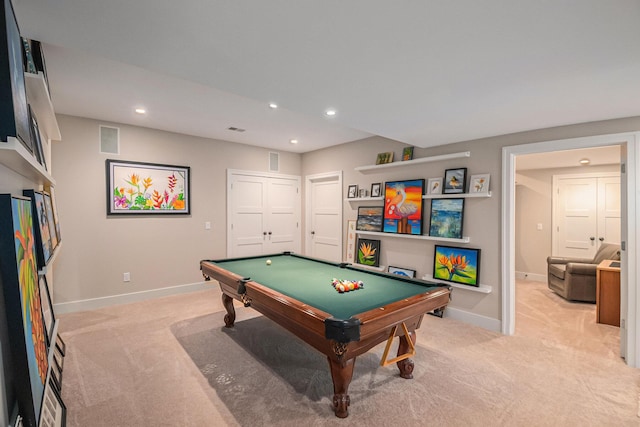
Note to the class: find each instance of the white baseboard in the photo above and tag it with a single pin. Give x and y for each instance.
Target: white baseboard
(522, 275)
(474, 319)
(95, 303)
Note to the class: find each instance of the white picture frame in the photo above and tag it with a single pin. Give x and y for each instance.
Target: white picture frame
(435, 186)
(400, 271)
(479, 183)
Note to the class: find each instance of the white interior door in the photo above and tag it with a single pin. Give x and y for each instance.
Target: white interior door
(283, 210)
(246, 215)
(576, 217)
(324, 216)
(263, 213)
(609, 214)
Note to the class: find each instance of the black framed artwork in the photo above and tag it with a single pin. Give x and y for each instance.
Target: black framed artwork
(46, 305)
(54, 411)
(455, 181)
(368, 252)
(13, 96)
(369, 218)
(446, 218)
(44, 246)
(457, 265)
(38, 151)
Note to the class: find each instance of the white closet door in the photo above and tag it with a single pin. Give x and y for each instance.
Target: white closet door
(246, 220)
(609, 218)
(324, 234)
(576, 210)
(283, 215)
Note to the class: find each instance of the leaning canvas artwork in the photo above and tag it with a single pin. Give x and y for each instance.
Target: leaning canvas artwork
(446, 218)
(458, 265)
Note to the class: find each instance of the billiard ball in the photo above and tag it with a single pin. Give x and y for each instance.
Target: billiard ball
(268, 262)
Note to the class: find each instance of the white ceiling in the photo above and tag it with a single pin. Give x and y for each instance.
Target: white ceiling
(421, 72)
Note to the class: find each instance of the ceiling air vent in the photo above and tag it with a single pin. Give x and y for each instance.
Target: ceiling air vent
(235, 129)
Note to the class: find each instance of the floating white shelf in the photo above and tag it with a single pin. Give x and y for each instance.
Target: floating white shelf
(38, 97)
(456, 196)
(415, 236)
(483, 289)
(16, 157)
(414, 161)
(364, 199)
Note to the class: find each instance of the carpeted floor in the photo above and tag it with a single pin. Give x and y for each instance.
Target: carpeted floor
(171, 362)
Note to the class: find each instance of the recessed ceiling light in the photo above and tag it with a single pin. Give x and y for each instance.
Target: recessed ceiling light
(294, 141)
(141, 111)
(273, 105)
(585, 161)
(330, 113)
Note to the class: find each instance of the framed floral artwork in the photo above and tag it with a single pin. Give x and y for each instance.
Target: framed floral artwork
(135, 188)
(457, 265)
(479, 183)
(435, 186)
(368, 252)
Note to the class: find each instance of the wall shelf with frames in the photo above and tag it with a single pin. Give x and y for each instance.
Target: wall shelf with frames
(405, 163)
(415, 236)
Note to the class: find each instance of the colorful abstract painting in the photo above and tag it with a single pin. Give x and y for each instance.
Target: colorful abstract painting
(458, 265)
(403, 206)
(147, 188)
(33, 324)
(446, 218)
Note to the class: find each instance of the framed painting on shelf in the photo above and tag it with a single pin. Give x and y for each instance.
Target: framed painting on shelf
(135, 188)
(375, 189)
(479, 183)
(54, 411)
(407, 153)
(435, 186)
(403, 207)
(368, 252)
(50, 220)
(455, 181)
(457, 265)
(405, 272)
(352, 193)
(44, 246)
(384, 158)
(351, 241)
(369, 218)
(446, 218)
(47, 309)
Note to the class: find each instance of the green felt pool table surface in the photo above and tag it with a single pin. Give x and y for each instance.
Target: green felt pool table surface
(309, 281)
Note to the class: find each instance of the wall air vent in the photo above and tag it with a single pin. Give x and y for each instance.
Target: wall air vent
(109, 140)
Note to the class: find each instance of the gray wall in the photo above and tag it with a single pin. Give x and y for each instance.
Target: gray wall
(158, 251)
(161, 252)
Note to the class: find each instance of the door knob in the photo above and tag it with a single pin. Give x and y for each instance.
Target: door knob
(592, 238)
(601, 239)
(313, 232)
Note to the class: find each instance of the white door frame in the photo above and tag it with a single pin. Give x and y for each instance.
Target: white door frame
(630, 274)
(308, 181)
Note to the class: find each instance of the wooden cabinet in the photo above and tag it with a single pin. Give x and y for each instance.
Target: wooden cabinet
(608, 292)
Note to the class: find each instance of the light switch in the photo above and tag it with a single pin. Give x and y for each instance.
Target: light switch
(539, 226)
(207, 225)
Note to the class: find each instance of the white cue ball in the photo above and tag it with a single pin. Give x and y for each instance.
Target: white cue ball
(268, 262)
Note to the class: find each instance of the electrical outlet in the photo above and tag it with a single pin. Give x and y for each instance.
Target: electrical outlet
(126, 277)
(207, 225)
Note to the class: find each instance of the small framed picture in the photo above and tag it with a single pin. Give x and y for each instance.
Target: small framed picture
(435, 186)
(405, 272)
(353, 192)
(384, 158)
(54, 411)
(62, 347)
(479, 183)
(407, 153)
(455, 180)
(375, 189)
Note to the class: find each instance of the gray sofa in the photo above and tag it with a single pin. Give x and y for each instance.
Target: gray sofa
(574, 279)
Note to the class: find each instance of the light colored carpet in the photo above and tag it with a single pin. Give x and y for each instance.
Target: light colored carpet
(171, 362)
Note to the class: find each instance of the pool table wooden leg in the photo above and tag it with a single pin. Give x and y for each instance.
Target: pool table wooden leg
(406, 365)
(230, 317)
(341, 373)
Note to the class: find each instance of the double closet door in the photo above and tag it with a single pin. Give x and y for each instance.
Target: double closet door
(586, 213)
(263, 213)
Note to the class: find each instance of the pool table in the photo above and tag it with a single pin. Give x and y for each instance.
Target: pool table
(297, 293)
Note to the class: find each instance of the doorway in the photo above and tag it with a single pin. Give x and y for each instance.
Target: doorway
(630, 298)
